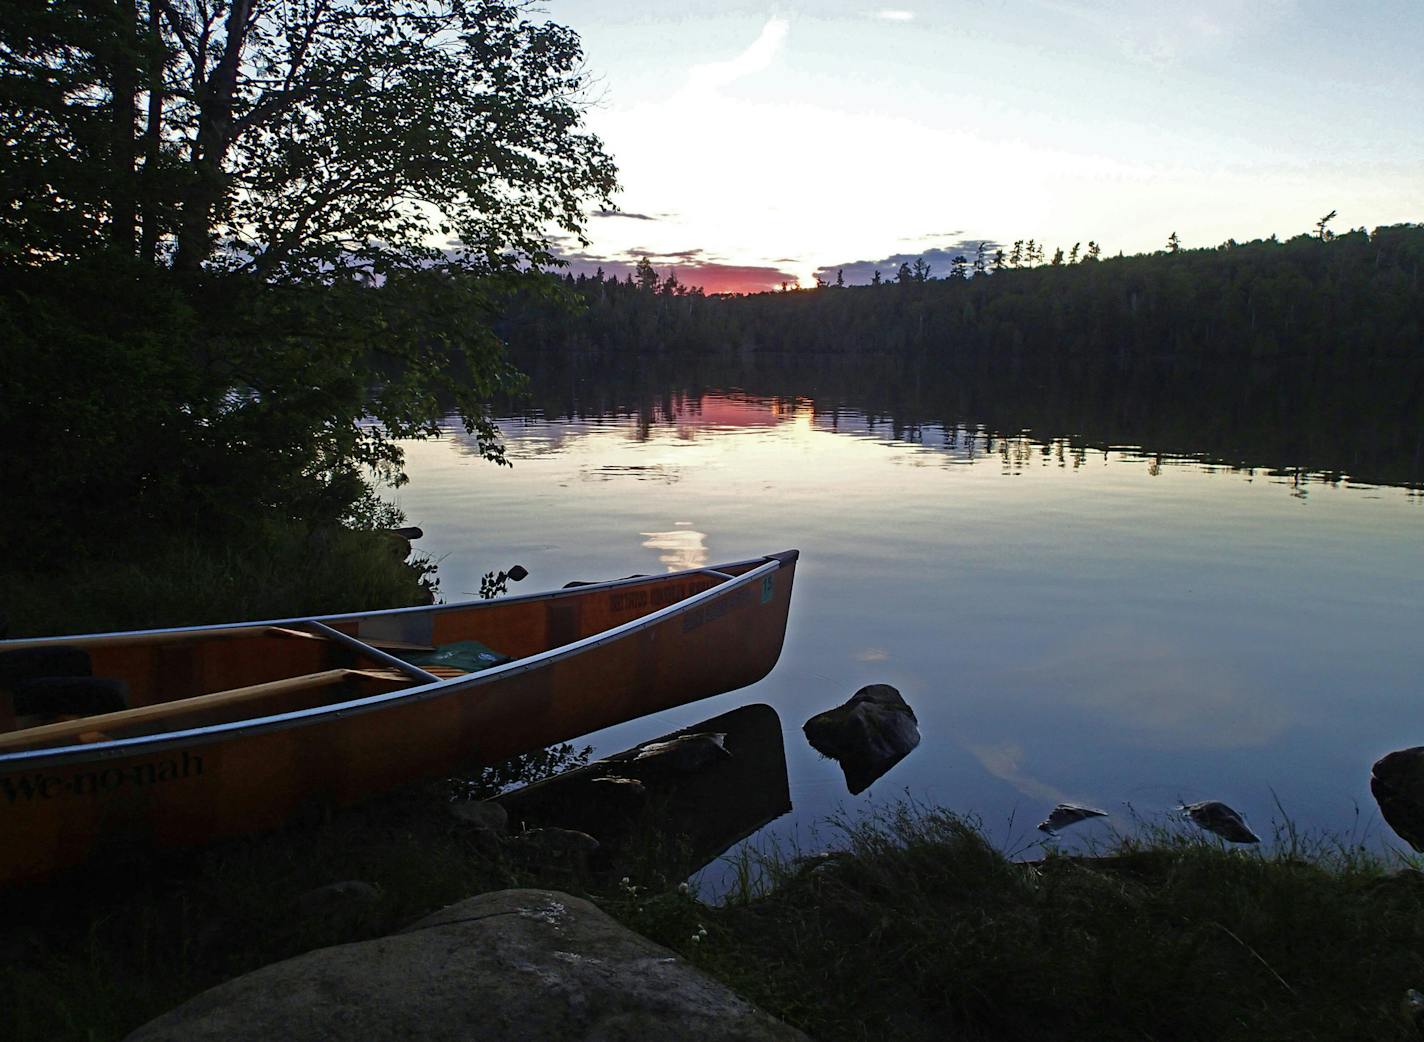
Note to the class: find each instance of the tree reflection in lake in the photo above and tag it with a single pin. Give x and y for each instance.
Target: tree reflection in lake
(1309, 425)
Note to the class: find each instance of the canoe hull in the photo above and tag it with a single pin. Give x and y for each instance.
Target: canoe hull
(60, 808)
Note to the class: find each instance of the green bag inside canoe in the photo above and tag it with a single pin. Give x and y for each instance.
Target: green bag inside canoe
(469, 655)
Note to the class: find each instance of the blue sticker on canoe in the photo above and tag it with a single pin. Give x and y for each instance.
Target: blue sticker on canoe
(768, 587)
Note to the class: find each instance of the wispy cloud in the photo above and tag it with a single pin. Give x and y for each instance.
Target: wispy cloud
(895, 15)
(759, 56)
(694, 267)
(1151, 33)
(931, 235)
(939, 258)
(1003, 762)
(627, 214)
(1156, 693)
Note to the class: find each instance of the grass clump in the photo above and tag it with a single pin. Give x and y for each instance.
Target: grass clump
(920, 929)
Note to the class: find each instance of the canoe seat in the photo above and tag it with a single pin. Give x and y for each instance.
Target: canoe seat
(69, 696)
(45, 683)
(24, 664)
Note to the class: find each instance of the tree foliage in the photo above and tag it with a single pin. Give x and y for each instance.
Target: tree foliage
(287, 219)
(301, 141)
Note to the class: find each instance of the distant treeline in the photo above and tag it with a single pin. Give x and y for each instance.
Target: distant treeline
(1304, 356)
(1322, 300)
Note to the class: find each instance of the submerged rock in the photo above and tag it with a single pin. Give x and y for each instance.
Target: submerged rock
(1397, 781)
(618, 793)
(353, 903)
(686, 753)
(500, 967)
(874, 730)
(481, 814)
(1066, 814)
(1412, 1006)
(353, 891)
(824, 863)
(1219, 818)
(554, 848)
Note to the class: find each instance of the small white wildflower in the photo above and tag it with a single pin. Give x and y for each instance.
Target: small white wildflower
(625, 880)
(697, 938)
(682, 888)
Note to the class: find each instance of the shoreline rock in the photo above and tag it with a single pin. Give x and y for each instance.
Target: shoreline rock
(867, 735)
(501, 967)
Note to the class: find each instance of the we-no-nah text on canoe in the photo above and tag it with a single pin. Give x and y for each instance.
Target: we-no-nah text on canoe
(92, 781)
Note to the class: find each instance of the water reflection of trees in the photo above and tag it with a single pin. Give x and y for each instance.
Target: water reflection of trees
(1305, 426)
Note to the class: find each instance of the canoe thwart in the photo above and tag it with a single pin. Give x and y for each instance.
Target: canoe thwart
(361, 647)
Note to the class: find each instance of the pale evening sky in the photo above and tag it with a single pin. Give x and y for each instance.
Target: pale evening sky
(758, 143)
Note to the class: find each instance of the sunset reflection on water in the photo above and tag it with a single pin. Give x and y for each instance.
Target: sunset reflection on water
(1114, 627)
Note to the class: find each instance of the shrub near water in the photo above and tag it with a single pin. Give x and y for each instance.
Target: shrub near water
(921, 930)
(280, 570)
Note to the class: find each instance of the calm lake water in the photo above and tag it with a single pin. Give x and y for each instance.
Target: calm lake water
(1093, 625)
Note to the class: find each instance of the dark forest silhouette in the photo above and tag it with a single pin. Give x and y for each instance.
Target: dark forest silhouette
(1344, 299)
(1300, 355)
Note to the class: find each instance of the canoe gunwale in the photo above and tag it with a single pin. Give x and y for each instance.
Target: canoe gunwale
(198, 736)
(356, 616)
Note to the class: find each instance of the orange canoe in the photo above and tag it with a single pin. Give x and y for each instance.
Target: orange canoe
(231, 729)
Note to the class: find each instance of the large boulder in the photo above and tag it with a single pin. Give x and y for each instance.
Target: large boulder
(867, 735)
(1397, 781)
(511, 965)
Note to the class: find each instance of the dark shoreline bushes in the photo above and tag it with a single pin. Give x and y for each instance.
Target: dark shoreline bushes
(920, 929)
(915, 928)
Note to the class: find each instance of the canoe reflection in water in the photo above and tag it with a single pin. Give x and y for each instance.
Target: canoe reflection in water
(668, 807)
